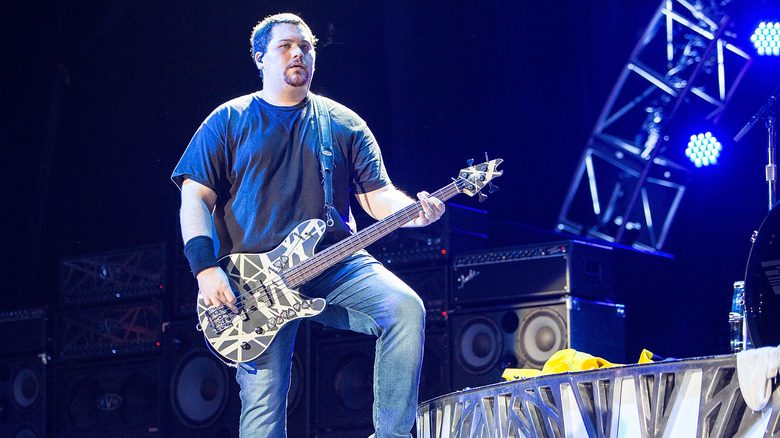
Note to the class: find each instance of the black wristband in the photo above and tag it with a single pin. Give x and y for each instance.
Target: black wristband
(200, 253)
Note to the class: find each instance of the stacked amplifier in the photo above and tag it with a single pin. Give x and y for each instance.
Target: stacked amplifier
(24, 391)
(107, 358)
(128, 359)
(515, 307)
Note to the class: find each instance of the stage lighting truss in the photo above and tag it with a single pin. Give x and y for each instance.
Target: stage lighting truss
(624, 190)
(603, 184)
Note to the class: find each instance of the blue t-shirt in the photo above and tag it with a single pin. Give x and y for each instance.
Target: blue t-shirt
(262, 162)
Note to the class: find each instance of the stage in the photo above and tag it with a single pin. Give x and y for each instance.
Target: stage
(683, 398)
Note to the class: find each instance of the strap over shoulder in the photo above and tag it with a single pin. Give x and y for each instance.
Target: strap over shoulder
(326, 155)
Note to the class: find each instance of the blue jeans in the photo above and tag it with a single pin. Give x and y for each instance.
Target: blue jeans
(362, 297)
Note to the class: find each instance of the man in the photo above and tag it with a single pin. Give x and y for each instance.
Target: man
(251, 172)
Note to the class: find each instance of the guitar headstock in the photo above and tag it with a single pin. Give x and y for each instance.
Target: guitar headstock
(474, 178)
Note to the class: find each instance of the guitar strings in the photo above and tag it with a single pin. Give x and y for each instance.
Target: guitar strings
(375, 231)
(293, 273)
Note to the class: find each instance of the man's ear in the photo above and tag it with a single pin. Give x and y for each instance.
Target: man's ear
(259, 60)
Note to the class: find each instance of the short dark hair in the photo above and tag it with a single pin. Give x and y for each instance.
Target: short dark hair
(261, 34)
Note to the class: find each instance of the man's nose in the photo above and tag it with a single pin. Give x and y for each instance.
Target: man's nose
(297, 52)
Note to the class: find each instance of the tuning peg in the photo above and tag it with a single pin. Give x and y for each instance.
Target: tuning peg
(486, 157)
(492, 188)
(482, 196)
(470, 162)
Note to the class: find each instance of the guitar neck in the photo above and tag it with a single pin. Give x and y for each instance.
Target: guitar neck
(312, 267)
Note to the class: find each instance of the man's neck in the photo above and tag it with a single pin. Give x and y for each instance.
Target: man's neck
(290, 96)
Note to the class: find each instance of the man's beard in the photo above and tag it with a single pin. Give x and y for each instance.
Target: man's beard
(296, 79)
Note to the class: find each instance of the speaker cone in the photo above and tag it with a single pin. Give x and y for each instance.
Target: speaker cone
(199, 389)
(542, 333)
(25, 431)
(26, 388)
(354, 382)
(478, 344)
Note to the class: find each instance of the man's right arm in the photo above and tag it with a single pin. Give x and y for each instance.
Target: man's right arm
(197, 204)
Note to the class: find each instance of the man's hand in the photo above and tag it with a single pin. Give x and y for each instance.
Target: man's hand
(383, 202)
(432, 209)
(215, 288)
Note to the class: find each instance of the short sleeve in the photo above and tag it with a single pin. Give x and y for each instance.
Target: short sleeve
(204, 159)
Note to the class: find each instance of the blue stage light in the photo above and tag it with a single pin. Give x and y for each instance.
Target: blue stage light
(703, 149)
(766, 38)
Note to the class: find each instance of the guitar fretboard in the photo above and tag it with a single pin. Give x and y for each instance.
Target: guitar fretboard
(310, 268)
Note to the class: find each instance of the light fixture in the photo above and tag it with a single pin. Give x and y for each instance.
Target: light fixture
(766, 38)
(703, 149)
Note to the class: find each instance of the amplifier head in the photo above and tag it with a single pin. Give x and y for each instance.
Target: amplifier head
(520, 273)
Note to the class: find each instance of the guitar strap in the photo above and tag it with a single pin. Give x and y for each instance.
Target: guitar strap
(322, 115)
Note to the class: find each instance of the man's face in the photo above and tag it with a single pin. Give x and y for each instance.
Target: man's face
(289, 59)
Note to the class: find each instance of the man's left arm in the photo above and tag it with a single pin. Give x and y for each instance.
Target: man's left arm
(382, 202)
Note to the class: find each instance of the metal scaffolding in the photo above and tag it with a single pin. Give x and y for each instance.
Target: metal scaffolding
(624, 190)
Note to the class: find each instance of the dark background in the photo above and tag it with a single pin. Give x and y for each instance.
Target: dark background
(100, 98)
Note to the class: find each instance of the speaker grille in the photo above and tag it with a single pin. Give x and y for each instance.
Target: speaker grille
(344, 381)
(23, 331)
(110, 332)
(201, 392)
(199, 389)
(23, 401)
(487, 341)
(431, 284)
(109, 399)
(124, 275)
(478, 344)
(542, 333)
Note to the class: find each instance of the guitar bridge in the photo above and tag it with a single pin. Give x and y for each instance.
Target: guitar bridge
(220, 319)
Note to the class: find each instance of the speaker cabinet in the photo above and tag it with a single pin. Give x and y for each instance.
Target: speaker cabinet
(201, 392)
(485, 342)
(435, 372)
(133, 274)
(300, 392)
(23, 332)
(109, 399)
(430, 283)
(362, 432)
(185, 293)
(109, 332)
(343, 378)
(23, 397)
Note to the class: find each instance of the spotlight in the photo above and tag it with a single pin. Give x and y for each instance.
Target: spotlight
(766, 38)
(703, 149)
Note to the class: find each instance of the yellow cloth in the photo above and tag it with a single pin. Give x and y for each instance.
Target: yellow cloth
(569, 360)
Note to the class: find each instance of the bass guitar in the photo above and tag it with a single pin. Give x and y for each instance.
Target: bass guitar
(265, 284)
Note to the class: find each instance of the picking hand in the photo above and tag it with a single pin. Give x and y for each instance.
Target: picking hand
(215, 288)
